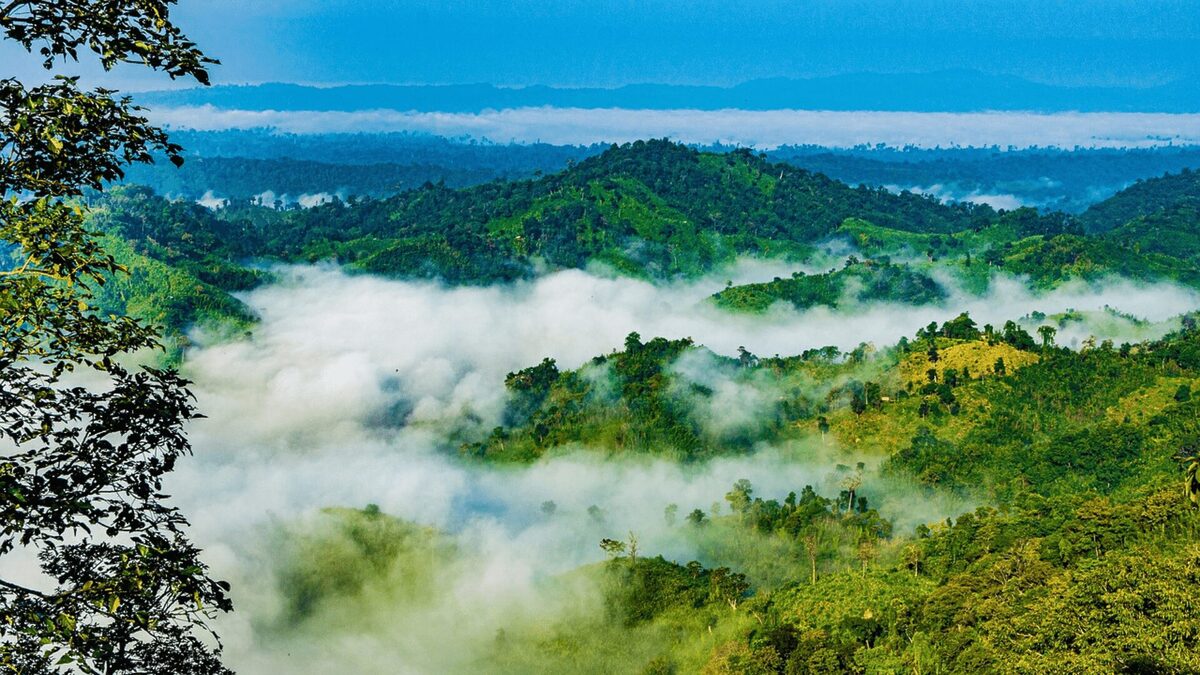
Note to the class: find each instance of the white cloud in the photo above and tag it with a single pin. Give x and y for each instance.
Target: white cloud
(950, 193)
(346, 392)
(763, 129)
(305, 201)
(211, 201)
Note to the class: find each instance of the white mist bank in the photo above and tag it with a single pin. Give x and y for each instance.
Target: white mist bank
(350, 383)
(950, 194)
(509, 549)
(270, 199)
(761, 129)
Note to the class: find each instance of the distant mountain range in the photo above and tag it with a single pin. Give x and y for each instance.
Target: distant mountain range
(948, 91)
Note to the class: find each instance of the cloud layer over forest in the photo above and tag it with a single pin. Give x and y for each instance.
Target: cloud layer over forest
(350, 385)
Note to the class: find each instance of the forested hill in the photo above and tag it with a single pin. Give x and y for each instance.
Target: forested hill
(858, 281)
(1080, 555)
(656, 210)
(1143, 198)
(660, 210)
(738, 191)
(652, 208)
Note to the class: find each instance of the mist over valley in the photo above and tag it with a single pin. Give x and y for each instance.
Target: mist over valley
(801, 338)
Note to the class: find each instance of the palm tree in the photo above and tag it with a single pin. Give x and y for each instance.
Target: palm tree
(1190, 458)
(812, 546)
(912, 558)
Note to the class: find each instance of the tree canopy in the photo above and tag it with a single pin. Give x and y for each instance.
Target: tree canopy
(87, 436)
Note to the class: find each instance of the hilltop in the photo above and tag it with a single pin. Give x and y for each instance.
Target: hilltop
(858, 281)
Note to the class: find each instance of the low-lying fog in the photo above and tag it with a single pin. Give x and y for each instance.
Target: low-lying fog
(752, 128)
(342, 393)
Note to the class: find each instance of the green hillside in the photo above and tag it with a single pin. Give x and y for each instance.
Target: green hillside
(972, 384)
(1172, 231)
(179, 266)
(1080, 550)
(1048, 261)
(857, 282)
(653, 208)
(181, 234)
(625, 402)
(170, 297)
(1143, 198)
(661, 211)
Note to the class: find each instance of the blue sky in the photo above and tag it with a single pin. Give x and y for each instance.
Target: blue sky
(613, 42)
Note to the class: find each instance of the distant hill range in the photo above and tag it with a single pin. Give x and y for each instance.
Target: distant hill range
(948, 91)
